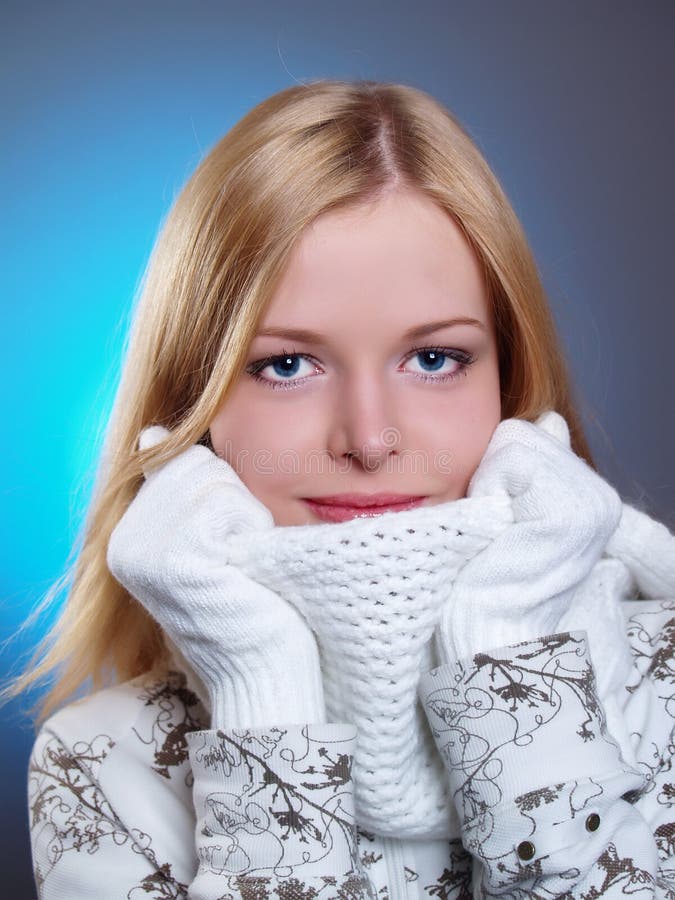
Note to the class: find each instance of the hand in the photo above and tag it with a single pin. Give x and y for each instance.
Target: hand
(647, 548)
(564, 514)
(252, 650)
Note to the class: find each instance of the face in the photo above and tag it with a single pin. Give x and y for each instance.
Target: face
(374, 370)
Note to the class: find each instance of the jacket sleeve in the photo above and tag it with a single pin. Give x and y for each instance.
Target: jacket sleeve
(274, 818)
(548, 806)
(275, 813)
(80, 847)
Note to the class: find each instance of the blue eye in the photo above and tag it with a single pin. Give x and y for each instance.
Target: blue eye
(285, 366)
(433, 359)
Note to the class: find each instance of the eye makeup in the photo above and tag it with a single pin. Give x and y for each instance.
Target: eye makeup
(462, 358)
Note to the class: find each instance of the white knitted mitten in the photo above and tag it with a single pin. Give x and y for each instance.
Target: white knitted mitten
(647, 548)
(564, 513)
(251, 649)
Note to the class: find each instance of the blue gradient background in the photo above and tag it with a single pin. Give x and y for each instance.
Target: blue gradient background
(108, 107)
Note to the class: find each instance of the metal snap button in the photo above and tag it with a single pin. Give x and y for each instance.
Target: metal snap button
(593, 822)
(525, 850)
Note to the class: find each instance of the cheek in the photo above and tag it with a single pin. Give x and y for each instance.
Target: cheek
(455, 430)
(265, 442)
(478, 426)
(243, 427)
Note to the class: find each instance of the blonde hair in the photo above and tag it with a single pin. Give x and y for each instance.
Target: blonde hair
(222, 249)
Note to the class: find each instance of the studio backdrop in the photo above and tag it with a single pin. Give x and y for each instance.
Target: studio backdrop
(107, 109)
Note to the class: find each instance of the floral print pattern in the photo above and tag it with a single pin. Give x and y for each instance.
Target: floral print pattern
(548, 805)
(132, 795)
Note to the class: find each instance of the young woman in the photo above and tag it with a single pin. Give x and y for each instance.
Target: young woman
(361, 618)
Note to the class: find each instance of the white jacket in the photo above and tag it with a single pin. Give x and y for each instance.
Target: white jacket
(132, 795)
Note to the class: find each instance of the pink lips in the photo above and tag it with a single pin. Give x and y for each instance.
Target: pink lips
(340, 507)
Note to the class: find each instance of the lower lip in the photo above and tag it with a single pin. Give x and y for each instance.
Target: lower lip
(343, 513)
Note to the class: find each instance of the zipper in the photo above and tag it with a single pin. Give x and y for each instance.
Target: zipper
(399, 887)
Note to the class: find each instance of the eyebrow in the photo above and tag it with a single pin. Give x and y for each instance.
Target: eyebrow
(418, 331)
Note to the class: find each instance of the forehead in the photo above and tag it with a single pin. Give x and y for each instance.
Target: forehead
(384, 265)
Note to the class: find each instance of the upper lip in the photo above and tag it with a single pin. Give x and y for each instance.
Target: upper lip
(363, 500)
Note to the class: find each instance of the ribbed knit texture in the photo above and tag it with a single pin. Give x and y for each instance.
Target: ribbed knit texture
(564, 514)
(372, 590)
(253, 653)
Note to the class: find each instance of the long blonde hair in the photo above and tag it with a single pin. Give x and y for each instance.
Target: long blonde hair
(222, 249)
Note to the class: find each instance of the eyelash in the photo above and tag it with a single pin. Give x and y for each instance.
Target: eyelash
(463, 358)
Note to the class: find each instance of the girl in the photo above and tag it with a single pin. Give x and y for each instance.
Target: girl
(361, 617)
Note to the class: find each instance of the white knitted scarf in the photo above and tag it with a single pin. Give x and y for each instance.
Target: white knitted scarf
(371, 589)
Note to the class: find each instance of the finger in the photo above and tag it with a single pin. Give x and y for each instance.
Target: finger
(544, 449)
(555, 425)
(241, 511)
(232, 507)
(151, 436)
(507, 471)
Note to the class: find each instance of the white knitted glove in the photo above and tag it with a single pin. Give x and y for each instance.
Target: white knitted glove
(252, 650)
(647, 548)
(564, 513)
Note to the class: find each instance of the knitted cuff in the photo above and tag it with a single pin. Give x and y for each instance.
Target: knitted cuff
(472, 623)
(273, 686)
(269, 688)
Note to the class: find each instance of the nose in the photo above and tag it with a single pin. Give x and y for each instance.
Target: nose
(364, 425)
